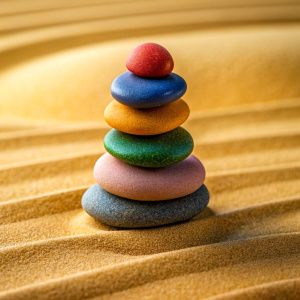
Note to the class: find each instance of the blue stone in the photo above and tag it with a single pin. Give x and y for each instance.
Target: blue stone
(125, 213)
(140, 92)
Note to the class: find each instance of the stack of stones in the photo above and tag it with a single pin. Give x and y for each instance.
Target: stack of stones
(148, 176)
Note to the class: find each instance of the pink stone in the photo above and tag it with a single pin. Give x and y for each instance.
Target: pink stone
(148, 184)
(150, 60)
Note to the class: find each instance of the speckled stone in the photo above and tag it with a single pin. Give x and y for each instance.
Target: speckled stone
(152, 151)
(146, 121)
(140, 92)
(147, 184)
(121, 212)
(150, 60)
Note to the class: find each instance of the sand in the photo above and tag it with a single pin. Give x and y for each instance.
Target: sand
(241, 63)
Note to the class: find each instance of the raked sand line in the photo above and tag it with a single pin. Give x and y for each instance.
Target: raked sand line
(229, 154)
(31, 6)
(170, 18)
(256, 220)
(42, 19)
(250, 117)
(110, 260)
(11, 156)
(282, 288)
(74, 165)
(35, 144)
(261, 46)
(60, 142)
(261, 255)
(55, 176)
(52, 203)
(275, 182)
(83, 140)
(36, 138)
(64, 200)
(87, 11)
(258, 115)
(232, 154)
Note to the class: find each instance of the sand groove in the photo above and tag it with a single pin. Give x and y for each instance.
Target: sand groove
(264, 291)
(34, 38)
(257, 252)
(217, 227)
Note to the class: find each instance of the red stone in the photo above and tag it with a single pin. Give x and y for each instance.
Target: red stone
(150, 60)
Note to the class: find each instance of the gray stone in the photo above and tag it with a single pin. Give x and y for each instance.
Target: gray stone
(121, 212)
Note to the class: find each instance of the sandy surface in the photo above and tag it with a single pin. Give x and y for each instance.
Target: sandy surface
(241, 63)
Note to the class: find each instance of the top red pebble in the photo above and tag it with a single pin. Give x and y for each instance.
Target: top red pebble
(150, 60)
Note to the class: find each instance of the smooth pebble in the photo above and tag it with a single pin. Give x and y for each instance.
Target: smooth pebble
(150, 60)
(152, 151)
(146, 121)
(141, 92)
(121, 212)
(143, 184)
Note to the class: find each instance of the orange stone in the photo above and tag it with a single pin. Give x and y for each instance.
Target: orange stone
(146, 121)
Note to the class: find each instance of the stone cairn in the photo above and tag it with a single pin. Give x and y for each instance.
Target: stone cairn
(148, 177)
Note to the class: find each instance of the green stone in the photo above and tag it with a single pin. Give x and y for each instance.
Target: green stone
(152, 151)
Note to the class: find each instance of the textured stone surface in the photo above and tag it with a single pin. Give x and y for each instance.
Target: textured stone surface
(150, 151)
(121, 212)
(148, 121)
(146, 184)
(150, 60)
(140, 92)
